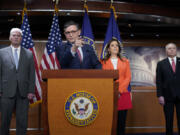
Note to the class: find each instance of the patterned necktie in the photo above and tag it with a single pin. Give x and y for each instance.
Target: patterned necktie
(79, 55)
(16, 57)
(173, 66)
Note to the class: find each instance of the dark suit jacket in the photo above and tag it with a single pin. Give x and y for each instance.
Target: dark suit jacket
(168, 82)
(68, 61)
(23, 77)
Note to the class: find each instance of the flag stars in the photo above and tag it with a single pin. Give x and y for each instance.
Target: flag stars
(54, 36)
(27, 38)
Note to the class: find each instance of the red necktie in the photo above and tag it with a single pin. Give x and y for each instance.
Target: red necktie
(79, 55)
(173, 66)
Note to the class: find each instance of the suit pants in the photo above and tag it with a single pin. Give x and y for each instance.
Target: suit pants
(121, 123)
(20, 105)
(169, 115)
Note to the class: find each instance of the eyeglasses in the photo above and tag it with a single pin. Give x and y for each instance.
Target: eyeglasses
(70, 32)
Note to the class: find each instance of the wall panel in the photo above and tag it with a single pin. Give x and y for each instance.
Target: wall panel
(146, 115)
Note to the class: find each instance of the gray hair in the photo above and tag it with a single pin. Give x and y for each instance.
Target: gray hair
(16, 29)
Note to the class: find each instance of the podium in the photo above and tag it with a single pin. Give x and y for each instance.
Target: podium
(79, 102)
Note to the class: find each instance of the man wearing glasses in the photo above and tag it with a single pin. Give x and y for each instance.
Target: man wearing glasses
(75, 54)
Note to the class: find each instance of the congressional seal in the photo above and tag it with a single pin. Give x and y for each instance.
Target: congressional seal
(81, 108)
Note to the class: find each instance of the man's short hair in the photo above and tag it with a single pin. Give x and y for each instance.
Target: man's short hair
(69, 23)
(16, 29)
(170, 44)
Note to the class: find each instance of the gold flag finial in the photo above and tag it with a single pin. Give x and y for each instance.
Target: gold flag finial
(85, 5)
(111, 2)
(56, 9)
(24, 9)
(57, 1)
(114, 11)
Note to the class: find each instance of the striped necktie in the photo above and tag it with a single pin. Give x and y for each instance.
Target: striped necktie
(79, 55)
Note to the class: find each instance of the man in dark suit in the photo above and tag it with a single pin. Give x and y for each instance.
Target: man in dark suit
(17, 83)
(75, 54)
(168, 86)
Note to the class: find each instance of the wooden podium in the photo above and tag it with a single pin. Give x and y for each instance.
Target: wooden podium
(61, 84)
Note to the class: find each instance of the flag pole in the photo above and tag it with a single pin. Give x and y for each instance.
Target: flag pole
(111, 2)
(86, 31)
(114, 11)
(56, 9)
(85, 5)
(115, 16)
(24, 10)
(29, 44)
(57, 1)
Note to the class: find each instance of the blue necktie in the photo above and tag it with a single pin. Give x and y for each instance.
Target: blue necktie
(16, 57)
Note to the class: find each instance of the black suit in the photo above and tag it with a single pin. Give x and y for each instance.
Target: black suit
(168, 86)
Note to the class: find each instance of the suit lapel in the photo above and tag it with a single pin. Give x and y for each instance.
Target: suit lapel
(84, 53)
(177, 63)
(119, 65)
(21, 57)
(169, 66)
(109, 64)
(9, 50)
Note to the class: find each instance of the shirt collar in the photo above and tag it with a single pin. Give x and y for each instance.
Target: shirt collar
(18, 48)
(170, 59)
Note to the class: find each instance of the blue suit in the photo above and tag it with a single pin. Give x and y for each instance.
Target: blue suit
(68, 61)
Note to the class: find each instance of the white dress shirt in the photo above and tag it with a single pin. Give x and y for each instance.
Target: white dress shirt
(80, 50)
(18, 50)
(170, 60)
(114, 62)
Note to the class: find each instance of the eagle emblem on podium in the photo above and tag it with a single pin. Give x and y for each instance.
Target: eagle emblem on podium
(81, 111)
(81, 108)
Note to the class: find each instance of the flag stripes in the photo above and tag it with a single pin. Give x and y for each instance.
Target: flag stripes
(49, 59)
(28, 43)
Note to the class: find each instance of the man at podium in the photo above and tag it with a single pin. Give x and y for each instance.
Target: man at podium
(75, 54)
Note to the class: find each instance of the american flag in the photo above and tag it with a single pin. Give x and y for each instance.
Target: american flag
(28, 43)
(49, 60)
